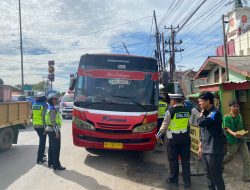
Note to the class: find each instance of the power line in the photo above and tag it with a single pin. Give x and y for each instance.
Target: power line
(185, 9)
(150, 37)
(110, 28)
(193, 13)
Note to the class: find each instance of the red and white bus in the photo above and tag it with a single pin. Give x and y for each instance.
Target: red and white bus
(116, 102)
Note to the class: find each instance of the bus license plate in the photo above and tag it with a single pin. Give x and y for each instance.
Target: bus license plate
(113, 145)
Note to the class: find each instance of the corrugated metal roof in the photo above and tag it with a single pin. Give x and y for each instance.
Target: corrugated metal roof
(239, 64)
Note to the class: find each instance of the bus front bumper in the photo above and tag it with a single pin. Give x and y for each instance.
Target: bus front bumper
(98, 140)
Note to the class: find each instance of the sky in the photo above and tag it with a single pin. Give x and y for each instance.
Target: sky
(64, 30)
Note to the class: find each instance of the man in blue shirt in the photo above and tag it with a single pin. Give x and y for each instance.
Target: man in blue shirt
(212, 143)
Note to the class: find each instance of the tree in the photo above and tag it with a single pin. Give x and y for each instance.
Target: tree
(38, 86)
(1, 82)
(18, 86)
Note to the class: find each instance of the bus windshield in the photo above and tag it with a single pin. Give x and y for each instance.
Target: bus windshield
(114, 91)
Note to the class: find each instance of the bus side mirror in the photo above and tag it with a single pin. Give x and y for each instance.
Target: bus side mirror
(72, 83)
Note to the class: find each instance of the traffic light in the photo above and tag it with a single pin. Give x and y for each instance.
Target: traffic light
(51, 71)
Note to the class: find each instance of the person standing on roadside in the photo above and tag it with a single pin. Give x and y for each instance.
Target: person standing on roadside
(211, 148)
(162, 108)
(236, 143)
(175, 125)
(38, 119)
(54, 123)
(195, 115)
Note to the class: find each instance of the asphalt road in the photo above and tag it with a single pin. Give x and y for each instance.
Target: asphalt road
(105, 170)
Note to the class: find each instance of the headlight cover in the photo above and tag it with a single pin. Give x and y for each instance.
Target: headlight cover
(80, 124)
(145, 128)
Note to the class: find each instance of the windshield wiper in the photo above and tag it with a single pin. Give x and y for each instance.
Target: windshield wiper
(133, 101)
(95, 102)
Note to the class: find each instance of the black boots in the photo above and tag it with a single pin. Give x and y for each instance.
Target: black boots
(40, 161)
(59, 168)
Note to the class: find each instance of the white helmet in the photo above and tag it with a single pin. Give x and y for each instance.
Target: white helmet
(40, 94)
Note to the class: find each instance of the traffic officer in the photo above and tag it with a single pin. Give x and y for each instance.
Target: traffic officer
(162, 108)
(175, 125)
(213, 139)
(53, 122)
(38, 114)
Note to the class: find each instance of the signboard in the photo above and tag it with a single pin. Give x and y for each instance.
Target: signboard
(119, 82)
(195, 138)
(27, 87)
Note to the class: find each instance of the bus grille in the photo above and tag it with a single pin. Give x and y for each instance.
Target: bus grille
(114, 126)
(95, 139)
(110, 131)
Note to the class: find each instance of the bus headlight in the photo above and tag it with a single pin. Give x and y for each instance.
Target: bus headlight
(145, 128)
(80, 124)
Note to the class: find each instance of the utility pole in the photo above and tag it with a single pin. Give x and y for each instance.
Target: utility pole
(45, 84)
(173, 54)
(163, 51)
(172, 50)
(125, 48)
(21, 45)
(225, 46)
(158, 48)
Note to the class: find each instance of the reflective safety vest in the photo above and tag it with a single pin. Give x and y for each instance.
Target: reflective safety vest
(58, 117)
(179, 119)
(162, 107)
(37, 112)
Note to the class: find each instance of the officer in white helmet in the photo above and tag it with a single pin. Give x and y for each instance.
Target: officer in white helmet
(54, 122)
(175, 125)
(38, 117)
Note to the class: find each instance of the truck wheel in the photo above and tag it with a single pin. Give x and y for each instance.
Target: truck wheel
(6, 139)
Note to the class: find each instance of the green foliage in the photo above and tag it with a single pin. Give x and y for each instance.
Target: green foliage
(1, 82)
(38, 86)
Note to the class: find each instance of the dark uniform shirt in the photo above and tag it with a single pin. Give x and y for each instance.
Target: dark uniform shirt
(212, 136)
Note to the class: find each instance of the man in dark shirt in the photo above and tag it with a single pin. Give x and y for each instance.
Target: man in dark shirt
(211, 148)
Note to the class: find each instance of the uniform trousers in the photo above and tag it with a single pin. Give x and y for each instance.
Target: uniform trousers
(42, 143)
(54, 149)
(179, 145)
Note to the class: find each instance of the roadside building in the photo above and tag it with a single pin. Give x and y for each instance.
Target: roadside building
(213, 73)
(185, 79)
(238, 33)
(184, 84)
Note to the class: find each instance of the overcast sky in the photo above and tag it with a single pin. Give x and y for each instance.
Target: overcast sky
(66, 29)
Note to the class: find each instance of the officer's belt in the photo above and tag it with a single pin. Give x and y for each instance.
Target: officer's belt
(179, 131)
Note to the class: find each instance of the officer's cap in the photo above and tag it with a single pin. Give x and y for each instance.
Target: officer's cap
(176, 96)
